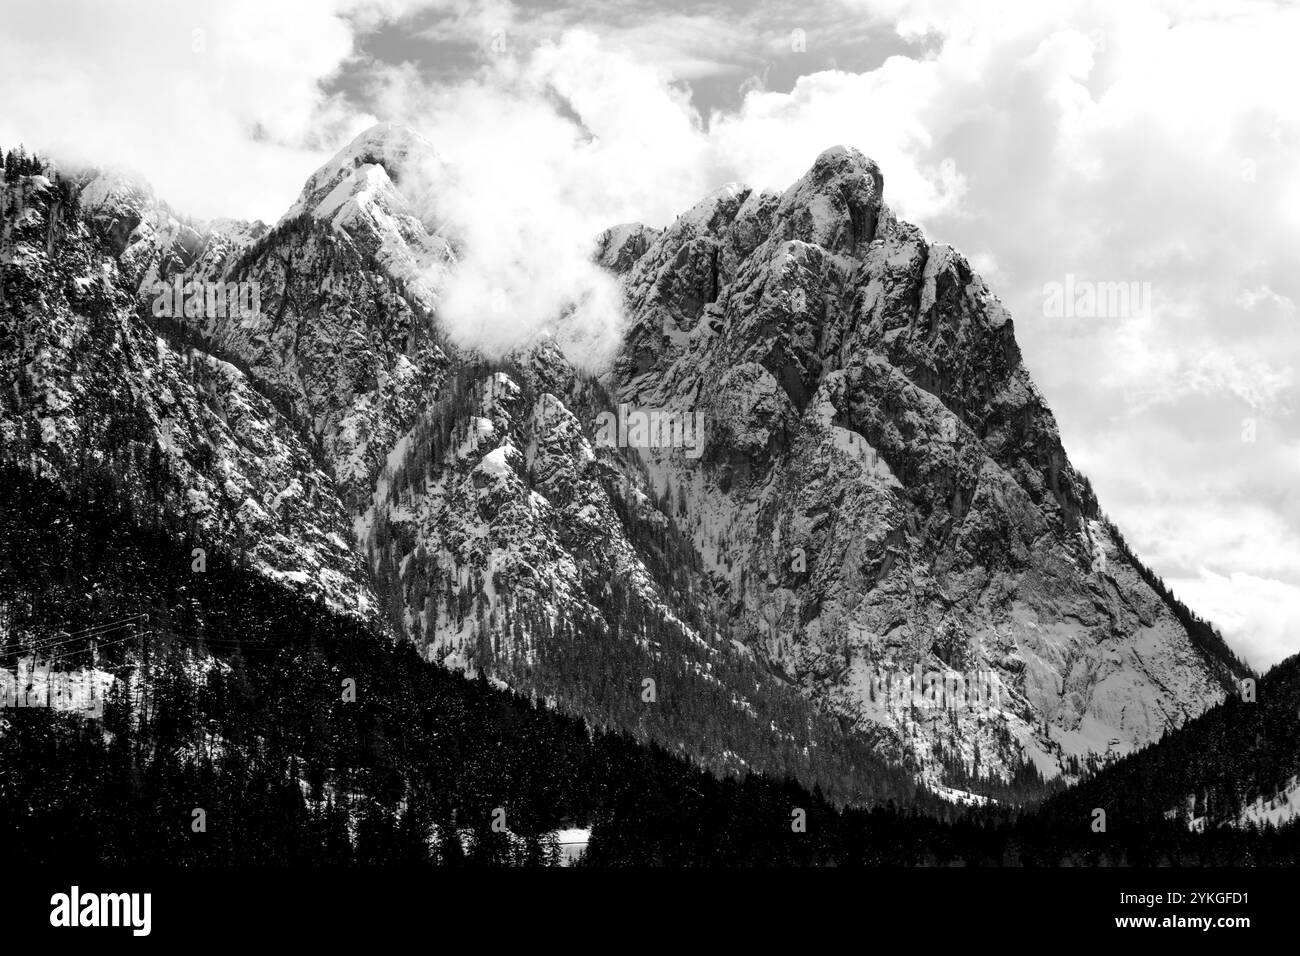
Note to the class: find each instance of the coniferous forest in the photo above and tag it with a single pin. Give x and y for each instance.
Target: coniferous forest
(251, 725)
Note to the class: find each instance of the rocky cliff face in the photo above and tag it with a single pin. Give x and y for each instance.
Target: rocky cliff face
(91, 384)
(884, 489)
(855, 478)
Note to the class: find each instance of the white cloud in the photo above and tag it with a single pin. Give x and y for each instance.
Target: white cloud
(1257, 615)
(774, 137)
(216, 102)
(546, 151)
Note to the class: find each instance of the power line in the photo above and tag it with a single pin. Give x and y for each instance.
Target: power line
(123, 620)
(49, 670)
(87, 634)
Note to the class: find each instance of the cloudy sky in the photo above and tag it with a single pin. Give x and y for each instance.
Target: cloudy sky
(1148, 142)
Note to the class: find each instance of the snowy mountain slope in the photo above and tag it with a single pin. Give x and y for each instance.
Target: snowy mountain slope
(90, 383)
(343, 336)
(506, 541)
(148, 238)
(1274, 810)
(880, 490)
(514, 493)
(527, 552)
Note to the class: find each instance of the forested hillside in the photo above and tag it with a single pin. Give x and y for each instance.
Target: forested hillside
(1245, 750)
(231, 699)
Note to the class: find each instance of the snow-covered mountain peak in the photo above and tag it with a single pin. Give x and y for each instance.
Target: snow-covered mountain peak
(113, 188)
(379, 191)
(839, 357)
(385, 157)
(836, 204)
(618, 247)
